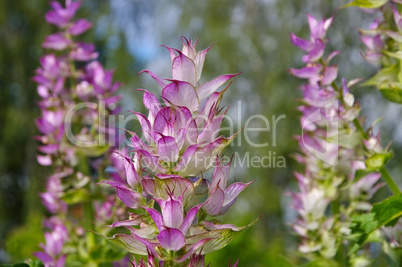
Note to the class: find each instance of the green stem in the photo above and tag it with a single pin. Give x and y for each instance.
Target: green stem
(340, 254)
(392, 185)
(88, 220)
(360, 129)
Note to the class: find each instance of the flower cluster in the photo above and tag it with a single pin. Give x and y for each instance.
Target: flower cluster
(52, 254)
(383, 40)
(165, 179)
(75, 94)
(334, 151)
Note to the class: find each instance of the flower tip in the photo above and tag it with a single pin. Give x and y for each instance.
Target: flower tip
(143, 71)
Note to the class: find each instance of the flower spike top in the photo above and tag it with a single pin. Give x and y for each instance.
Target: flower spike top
(181, 142)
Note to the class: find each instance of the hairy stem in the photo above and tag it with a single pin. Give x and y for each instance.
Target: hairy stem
(392, 185)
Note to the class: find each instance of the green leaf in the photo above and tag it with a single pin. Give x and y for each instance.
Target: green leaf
(385, 213)
(397, 55)
(388, 211)
(367, 3)
(94, 151)
(385, 75)
(127, 242)
(366, 222)
(74, 196)
(385, 81)
(220, 237)
(107, 253)
(392, 94)
(378, 161)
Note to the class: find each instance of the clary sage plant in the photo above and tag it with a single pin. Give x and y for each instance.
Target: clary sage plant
(338, 224)
(175, 204)
(75, 90)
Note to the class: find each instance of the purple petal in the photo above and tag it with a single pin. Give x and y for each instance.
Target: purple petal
(211, 130)
(211, 227)
(301, 43)
(186, 157)
(43, 256)
(232, 192)
(133, 179)
(133, 243)
(150, 161)
(84, 52)
(214, 203)
(171, 239)
(145, 125)
(156, 217)
(167, 149)
(193, 248)
(152, 104)
(190, 218)
(44, 126)
(220, 176)
(156, 78)
(183, 69)
(209, 87)
(190, 134)
(307, 72)
(56, 41)
(199, 61)
(44, 160)
(61, 261)
(193, 162)
(174, 184)
(181, 94)
(49, 149)
(79, 27)
(188, 49)
(171, 52)
(137, 143)
(164, 121)
(172, 213)
(330, 74)
(130, 198)
(126, 223)
(316, 52)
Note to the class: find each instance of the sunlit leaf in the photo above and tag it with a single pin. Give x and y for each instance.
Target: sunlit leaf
(389, 210)
(367, 3)
(378, 160)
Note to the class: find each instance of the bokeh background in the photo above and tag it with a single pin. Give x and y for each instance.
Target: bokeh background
(251, 36)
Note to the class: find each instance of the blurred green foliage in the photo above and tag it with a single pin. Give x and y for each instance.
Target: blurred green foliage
(248, 35)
